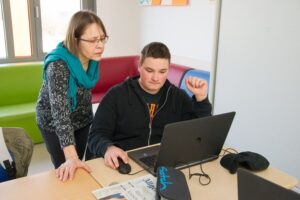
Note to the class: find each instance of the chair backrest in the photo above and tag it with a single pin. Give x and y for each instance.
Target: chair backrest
(176, 73)
(194, 72)
(20, 145)
(20, 83)
(115, 70)
(112, 71)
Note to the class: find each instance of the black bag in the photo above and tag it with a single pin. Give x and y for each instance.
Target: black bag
(249, 160)
(171, 184)
(8, 171)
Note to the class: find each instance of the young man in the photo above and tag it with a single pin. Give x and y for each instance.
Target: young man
(133, 114)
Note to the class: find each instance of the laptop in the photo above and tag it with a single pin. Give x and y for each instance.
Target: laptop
(186, 143)
(251, 186)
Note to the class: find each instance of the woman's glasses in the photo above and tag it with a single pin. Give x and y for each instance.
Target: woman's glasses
(95, 41)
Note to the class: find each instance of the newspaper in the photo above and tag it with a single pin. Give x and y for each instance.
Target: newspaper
(142, 188)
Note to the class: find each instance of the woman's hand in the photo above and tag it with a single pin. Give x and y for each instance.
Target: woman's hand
(67, 170)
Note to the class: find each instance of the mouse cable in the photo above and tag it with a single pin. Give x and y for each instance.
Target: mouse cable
(136, 172)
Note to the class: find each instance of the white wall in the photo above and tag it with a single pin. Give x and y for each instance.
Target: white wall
(258, 77)
(122, 21)
(188, 30)
(258, 62)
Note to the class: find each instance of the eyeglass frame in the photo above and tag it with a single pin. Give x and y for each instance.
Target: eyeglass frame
(95, 41)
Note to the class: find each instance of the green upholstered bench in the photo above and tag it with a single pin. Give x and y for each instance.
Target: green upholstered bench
(19, 88)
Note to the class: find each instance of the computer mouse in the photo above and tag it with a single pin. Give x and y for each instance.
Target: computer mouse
(123, 167)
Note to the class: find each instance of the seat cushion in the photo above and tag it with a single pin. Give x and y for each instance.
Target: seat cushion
(21, 115)
(13, 111)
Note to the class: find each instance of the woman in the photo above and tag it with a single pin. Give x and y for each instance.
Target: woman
(64, 109)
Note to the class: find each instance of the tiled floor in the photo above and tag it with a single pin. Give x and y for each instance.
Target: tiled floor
(41, 161)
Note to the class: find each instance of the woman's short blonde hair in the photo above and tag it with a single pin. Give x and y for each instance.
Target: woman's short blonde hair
(77, 26)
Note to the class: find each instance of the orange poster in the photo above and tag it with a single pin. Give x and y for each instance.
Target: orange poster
(164, 2)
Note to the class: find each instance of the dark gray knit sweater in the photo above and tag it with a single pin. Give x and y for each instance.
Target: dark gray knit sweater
(52, 110)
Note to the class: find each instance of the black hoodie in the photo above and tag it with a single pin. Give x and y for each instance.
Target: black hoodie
(122, 118)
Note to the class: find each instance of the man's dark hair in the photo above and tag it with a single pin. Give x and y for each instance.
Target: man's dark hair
(155, 50)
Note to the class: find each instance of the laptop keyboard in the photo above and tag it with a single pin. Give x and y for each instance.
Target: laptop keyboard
(149, 160)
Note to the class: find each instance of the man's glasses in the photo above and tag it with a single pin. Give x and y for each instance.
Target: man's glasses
(95, 41)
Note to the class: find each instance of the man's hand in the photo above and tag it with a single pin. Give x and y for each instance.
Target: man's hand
(111, 156)
(197, 86)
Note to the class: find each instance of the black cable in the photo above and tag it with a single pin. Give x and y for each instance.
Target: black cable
(136, 172)
(228, 151)
(201, 175)
(205, 175)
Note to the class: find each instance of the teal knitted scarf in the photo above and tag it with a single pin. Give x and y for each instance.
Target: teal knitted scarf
(78, 77)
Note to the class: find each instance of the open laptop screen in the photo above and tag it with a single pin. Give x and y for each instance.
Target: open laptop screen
(253, 187)
(188, 142)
